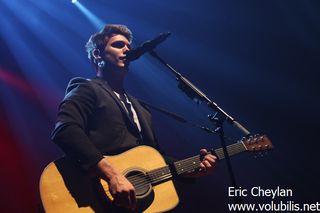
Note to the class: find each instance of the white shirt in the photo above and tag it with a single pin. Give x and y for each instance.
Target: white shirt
(129, 104)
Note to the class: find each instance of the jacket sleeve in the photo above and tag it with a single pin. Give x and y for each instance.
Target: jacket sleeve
(72, 120)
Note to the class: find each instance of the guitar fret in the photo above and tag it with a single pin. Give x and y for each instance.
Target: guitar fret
(160, 174)
(187, 165)
(192, 163)
(232, 150)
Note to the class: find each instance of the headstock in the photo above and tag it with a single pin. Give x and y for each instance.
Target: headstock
(257, 143)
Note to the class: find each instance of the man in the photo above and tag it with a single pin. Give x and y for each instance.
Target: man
(97, 117)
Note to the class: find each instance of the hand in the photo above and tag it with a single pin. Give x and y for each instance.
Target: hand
(122, 191)
(206, 166)
(120, 188)
(208, 162)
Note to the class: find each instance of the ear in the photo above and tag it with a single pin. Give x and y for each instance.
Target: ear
(96, 54)
(97, 59)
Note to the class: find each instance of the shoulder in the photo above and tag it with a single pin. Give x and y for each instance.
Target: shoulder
(80, 88)
(76, 83)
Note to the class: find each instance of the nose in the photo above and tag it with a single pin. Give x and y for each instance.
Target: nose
(125, 49)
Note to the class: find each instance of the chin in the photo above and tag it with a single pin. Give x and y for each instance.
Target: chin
(124, 65)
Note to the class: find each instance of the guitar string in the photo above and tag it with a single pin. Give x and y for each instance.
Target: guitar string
(157, 172)
(151, 174)
(154, 173)
(220, 153)
(195, 158)
(191, 159)
(162, 177)
(141, 180)
(232, 149)
(139, 185)
(143, 183)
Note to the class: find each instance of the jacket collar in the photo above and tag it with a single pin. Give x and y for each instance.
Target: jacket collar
(104, 84)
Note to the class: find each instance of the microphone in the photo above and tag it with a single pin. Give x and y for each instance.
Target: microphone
(147, 46)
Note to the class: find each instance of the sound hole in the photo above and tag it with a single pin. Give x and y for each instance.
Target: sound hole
(140, 181)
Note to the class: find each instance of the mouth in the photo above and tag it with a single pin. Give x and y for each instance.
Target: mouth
(124, 61)
(123, 58)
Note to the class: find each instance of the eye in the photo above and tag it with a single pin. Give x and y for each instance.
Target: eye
(120, 44)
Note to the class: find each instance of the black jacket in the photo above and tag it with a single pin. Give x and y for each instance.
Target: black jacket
(92, 122)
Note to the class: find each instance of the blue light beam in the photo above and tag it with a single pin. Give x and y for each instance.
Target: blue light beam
(96, 21)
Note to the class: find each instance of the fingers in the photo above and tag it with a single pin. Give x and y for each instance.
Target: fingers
(202, 168)
(207, 156)
(126, 199)
(208, 161)
(210, 158)
(133, 199)
(203, 151)
(123, 192)
(206, 165)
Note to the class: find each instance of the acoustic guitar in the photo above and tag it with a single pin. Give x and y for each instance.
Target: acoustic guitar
(64, 187)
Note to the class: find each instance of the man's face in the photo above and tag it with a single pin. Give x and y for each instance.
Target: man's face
(115, 51)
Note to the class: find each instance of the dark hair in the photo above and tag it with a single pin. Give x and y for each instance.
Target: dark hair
(100, 39)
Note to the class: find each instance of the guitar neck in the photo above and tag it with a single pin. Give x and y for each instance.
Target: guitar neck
(191, 164)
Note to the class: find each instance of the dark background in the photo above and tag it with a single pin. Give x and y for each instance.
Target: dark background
(258, 60)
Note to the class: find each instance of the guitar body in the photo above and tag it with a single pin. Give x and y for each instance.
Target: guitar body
(66, 188)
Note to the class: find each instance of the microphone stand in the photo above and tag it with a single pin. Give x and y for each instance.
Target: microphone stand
(189, 88)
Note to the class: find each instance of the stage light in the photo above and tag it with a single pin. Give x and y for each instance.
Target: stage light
(74, 1)
(95, 20)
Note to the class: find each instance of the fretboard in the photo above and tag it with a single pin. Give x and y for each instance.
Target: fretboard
(159, 175)
(191, 164)
(232, 150)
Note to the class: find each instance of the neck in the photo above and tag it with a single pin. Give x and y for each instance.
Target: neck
(114, 77)
(191, 164)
